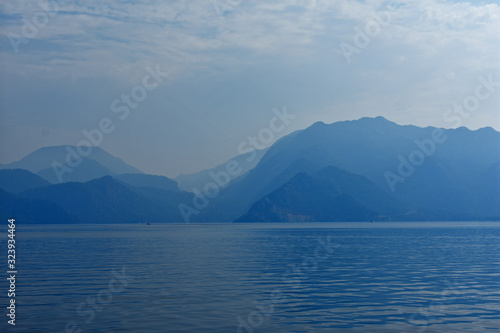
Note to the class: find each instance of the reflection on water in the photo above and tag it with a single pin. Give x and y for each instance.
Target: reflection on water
(378, 277)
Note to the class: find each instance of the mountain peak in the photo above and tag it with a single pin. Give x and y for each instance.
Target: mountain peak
(487, 129)
(374, 120)
(104, 179)
(365, 121)
(318, 123)
(98, 161)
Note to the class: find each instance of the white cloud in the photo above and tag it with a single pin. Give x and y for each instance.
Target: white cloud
(92, 38)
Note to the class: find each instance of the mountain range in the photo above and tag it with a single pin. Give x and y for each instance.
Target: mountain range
(368, 169)
(70, 165)
(455, 176)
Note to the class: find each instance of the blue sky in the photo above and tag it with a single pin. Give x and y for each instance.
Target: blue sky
(230, 63)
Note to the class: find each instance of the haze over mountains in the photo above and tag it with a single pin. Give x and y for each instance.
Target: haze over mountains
(364, 170)
(71, 165)
(199, 179)
(449, 182)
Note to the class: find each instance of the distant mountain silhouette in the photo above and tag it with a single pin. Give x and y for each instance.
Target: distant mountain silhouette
(106, 200)
(143, 180)
(79, 168)
(32, 211)
(88, 194)
(87, 170)
(448, 184)
(199, 179)
(18, 180)
(366, 169)
(306, 199)
(330, 195)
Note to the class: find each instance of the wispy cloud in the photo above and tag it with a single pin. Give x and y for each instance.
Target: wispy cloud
(95, 38)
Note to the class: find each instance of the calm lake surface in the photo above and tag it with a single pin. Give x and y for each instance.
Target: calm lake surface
(328, 277)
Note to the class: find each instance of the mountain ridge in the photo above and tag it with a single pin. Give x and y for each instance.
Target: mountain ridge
(438, 174)
(371, 147)
(63, 163)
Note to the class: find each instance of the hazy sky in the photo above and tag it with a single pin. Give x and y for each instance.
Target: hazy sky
(66, 64)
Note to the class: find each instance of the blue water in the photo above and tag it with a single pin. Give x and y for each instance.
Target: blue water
(349, 277)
